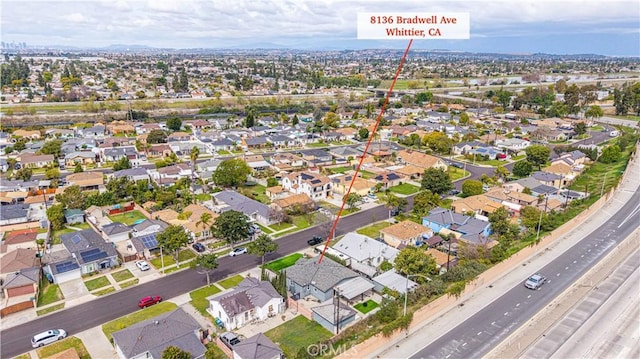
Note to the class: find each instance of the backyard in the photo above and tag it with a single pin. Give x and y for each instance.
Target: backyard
(256, 192)
(296, 334)
(366, 307)
(283, 262)
(128, 218)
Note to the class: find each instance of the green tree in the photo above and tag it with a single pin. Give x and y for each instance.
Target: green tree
(78, 168)
(272, 182)
(502, 172)
(522, 168)
(206, 263)
(195, 153)
(295, 120)
(173, 352)
(55, 214)
(262, 246)
(425, 201)
(414, 260)
(24, 174)
(72, 198)
(530, 217)
(594, 111)
(53, 147)
(610, 154)
(389, 311)
(422, 97)
(464, 119)
(231, 173)
(205, 220)
(472, 188)
(436, 180)
(537, 155)
(352, 200)
(499, 220)
(174, 124)
(394, 202)
(231, 226)
(172, 239)
(580, 128)
(363, 133)
(19, 145)
(250, 120)
(122, 164)
(156, 136)
(331, 119)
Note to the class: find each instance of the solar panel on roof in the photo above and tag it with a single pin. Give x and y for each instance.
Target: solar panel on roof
(66, 267)
(149, 241)
(93, 255)
(76, 239)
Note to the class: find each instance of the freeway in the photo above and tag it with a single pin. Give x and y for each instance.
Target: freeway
(478, 334)
(75, 319)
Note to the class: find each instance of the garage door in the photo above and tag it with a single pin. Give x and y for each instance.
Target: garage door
(14, 292)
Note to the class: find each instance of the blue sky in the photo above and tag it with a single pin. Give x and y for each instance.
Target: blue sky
(606, 27)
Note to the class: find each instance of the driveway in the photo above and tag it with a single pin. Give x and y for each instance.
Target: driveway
(73, 289)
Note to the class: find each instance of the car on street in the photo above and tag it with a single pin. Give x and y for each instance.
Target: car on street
(237, 251)
(143, 265)
(149, 301)
(457, 165)
(198, 247)
(48, 337)
(535, 281)
(315, 240)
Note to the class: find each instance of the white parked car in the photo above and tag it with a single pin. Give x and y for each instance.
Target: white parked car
(143, 265)
(238, 251)
(48, 337)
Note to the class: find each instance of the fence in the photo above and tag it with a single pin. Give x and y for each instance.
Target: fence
(16, 308)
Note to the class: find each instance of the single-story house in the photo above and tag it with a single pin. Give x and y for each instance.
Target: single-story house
(307, 277)
(405, 233)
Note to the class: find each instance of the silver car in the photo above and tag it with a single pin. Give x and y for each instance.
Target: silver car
(535, 281)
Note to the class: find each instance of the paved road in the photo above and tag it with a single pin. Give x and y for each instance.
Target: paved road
(477, 335)
(603, 324)
(15, 340)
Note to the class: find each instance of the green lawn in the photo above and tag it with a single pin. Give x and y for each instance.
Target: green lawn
(104, 291)
(81, 225)
(302, 221)
(456, 173)
(366, 307)
(60, 346)
(50, 309)
(49, 293)
(96, 283)
(157, 261)
(256, 192)
(185, 255)
(340, 169)
(223, 152)
(284, 233)
(280, 226)
(264, 229)
(297, 333)
(231, 281)
(137, 316)
(405, 189)
(373, 230)
(283, 262)
(367, 174)
(127, 218)
(57, 234)
(316, 145)
(129, 283)
(203, 197)
(122, 275)
(198, 298)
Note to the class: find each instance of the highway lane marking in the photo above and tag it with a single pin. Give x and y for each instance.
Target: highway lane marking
(635, 210)
(529, 296)
(517, 305)
(565, 268)
(574, 262)
(557, 274)
(582, 256)
(506, 313)
(478, 333)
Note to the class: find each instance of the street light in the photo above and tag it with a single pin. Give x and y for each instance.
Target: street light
(406, 289)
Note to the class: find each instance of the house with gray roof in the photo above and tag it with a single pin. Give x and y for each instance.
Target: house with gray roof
(548, 178)
(232, 200)
(14, 213)
(325, 315)
(308, 278)
(252, 300)
(114, 154)
(149, 338)
(366, 253)
(133, 174)
(441, 218)
(22, 283)
(89, 250)
(116, 231)
(257, 347)
(73, 216)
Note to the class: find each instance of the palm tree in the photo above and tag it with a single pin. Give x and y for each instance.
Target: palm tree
(195, 153)
(205, 220)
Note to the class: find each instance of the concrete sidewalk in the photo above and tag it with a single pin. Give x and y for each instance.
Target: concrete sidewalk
(428, 331)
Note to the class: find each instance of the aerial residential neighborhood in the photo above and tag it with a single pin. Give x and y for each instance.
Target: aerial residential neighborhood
(171, 202)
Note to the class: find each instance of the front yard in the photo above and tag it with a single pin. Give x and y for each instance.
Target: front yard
(136, 317)
(405, 189)
(373, 230)
(296, 334)
(198, 298)
(231, 281)
(49, 293)
(60, 346)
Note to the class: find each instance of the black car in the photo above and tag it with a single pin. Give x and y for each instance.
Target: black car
(315, 240)
(199, 247)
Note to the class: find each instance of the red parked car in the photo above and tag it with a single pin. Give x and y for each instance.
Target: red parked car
(150, 300)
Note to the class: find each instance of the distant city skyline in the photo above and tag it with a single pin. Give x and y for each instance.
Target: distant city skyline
(554, 27)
